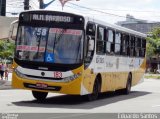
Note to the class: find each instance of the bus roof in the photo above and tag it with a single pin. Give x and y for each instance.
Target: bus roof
(103, 23)
(116, 27)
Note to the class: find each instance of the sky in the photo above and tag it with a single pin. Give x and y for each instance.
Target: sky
(110, 11)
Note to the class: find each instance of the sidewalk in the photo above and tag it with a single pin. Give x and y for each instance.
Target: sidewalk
(6, 84)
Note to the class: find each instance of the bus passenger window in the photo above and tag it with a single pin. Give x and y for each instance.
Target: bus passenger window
(127, 45)
(143, 43)
(143, 47)
(123, 45)
(138, 47)
(100, 41)
(110, 48)
(132, 46)
(117, 43)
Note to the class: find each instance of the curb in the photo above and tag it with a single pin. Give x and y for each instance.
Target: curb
(5, 85)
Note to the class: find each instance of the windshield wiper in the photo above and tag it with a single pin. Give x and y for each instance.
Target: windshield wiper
(79, 50)
(57, 38)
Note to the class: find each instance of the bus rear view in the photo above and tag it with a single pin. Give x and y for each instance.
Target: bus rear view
(49, 53)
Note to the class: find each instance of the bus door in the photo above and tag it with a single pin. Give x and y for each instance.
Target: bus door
(89, 49)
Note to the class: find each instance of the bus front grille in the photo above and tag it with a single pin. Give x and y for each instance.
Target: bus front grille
(40, 77)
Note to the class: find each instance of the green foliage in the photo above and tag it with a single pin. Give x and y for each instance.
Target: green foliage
(153, 46)
(6, 49)
(152, 76)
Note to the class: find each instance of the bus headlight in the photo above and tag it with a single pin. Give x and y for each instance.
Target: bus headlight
(19, 73)
(71, 78)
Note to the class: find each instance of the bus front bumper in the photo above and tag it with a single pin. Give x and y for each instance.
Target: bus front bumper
(73, 87)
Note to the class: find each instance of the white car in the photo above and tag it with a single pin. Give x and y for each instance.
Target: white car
(158, 71)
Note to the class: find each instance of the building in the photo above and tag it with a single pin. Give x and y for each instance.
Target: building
(5, 25)
(2, 7)
(142, 26)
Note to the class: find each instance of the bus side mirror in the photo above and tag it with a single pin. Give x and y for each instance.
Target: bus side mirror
(13, 31)
(90, 43)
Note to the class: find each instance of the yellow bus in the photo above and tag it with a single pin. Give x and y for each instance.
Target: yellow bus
(73, 54)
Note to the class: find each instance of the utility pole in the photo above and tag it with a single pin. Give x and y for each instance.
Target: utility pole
(2, 7)
(41, 4)
(26, 4)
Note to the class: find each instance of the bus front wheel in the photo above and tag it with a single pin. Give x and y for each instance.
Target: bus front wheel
(40, 96)
(96, 89)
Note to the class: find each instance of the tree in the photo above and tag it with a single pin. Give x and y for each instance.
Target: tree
(153, 49)
(153, 46)
(6, 50)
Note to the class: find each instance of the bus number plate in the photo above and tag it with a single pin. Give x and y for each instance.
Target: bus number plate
(41, 85)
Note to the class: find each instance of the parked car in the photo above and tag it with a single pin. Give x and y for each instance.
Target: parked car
(158, 71)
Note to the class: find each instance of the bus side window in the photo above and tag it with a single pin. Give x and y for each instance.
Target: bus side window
(100, 49)
(91, 29)
(143, 43)
(132, 45)
(143, 47)
(138, 47)
(123, 44)
(110, 43)
(117, 43)
(127, 45)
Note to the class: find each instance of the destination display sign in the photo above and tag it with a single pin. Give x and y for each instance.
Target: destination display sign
(50, 17)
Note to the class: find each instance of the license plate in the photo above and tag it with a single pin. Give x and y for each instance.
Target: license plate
(41, 85)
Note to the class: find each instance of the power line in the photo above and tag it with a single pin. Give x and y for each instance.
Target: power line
(132, 10)
(95, 10)
(102, 11)
(125, 10)
(108, 9)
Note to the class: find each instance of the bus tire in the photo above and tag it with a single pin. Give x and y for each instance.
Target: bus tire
(127, 90)
(96, 89)
(40, 96)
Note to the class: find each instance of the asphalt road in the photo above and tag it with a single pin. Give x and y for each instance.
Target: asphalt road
(144, 98)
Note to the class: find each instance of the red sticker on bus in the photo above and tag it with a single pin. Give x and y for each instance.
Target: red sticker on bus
(57, 74)
(30, 48)
(68, 31)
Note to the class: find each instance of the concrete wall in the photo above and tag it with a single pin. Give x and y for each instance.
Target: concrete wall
(5, 25)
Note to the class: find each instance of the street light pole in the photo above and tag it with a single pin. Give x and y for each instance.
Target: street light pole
(26, 4)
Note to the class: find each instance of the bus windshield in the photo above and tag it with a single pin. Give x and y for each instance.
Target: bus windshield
(51, 45)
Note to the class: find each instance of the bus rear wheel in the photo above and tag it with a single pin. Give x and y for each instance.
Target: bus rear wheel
(96, 89)
(127, 90)
(40, 96)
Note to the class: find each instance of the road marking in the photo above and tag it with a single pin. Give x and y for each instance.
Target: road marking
(73, 115)
(156, 106)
